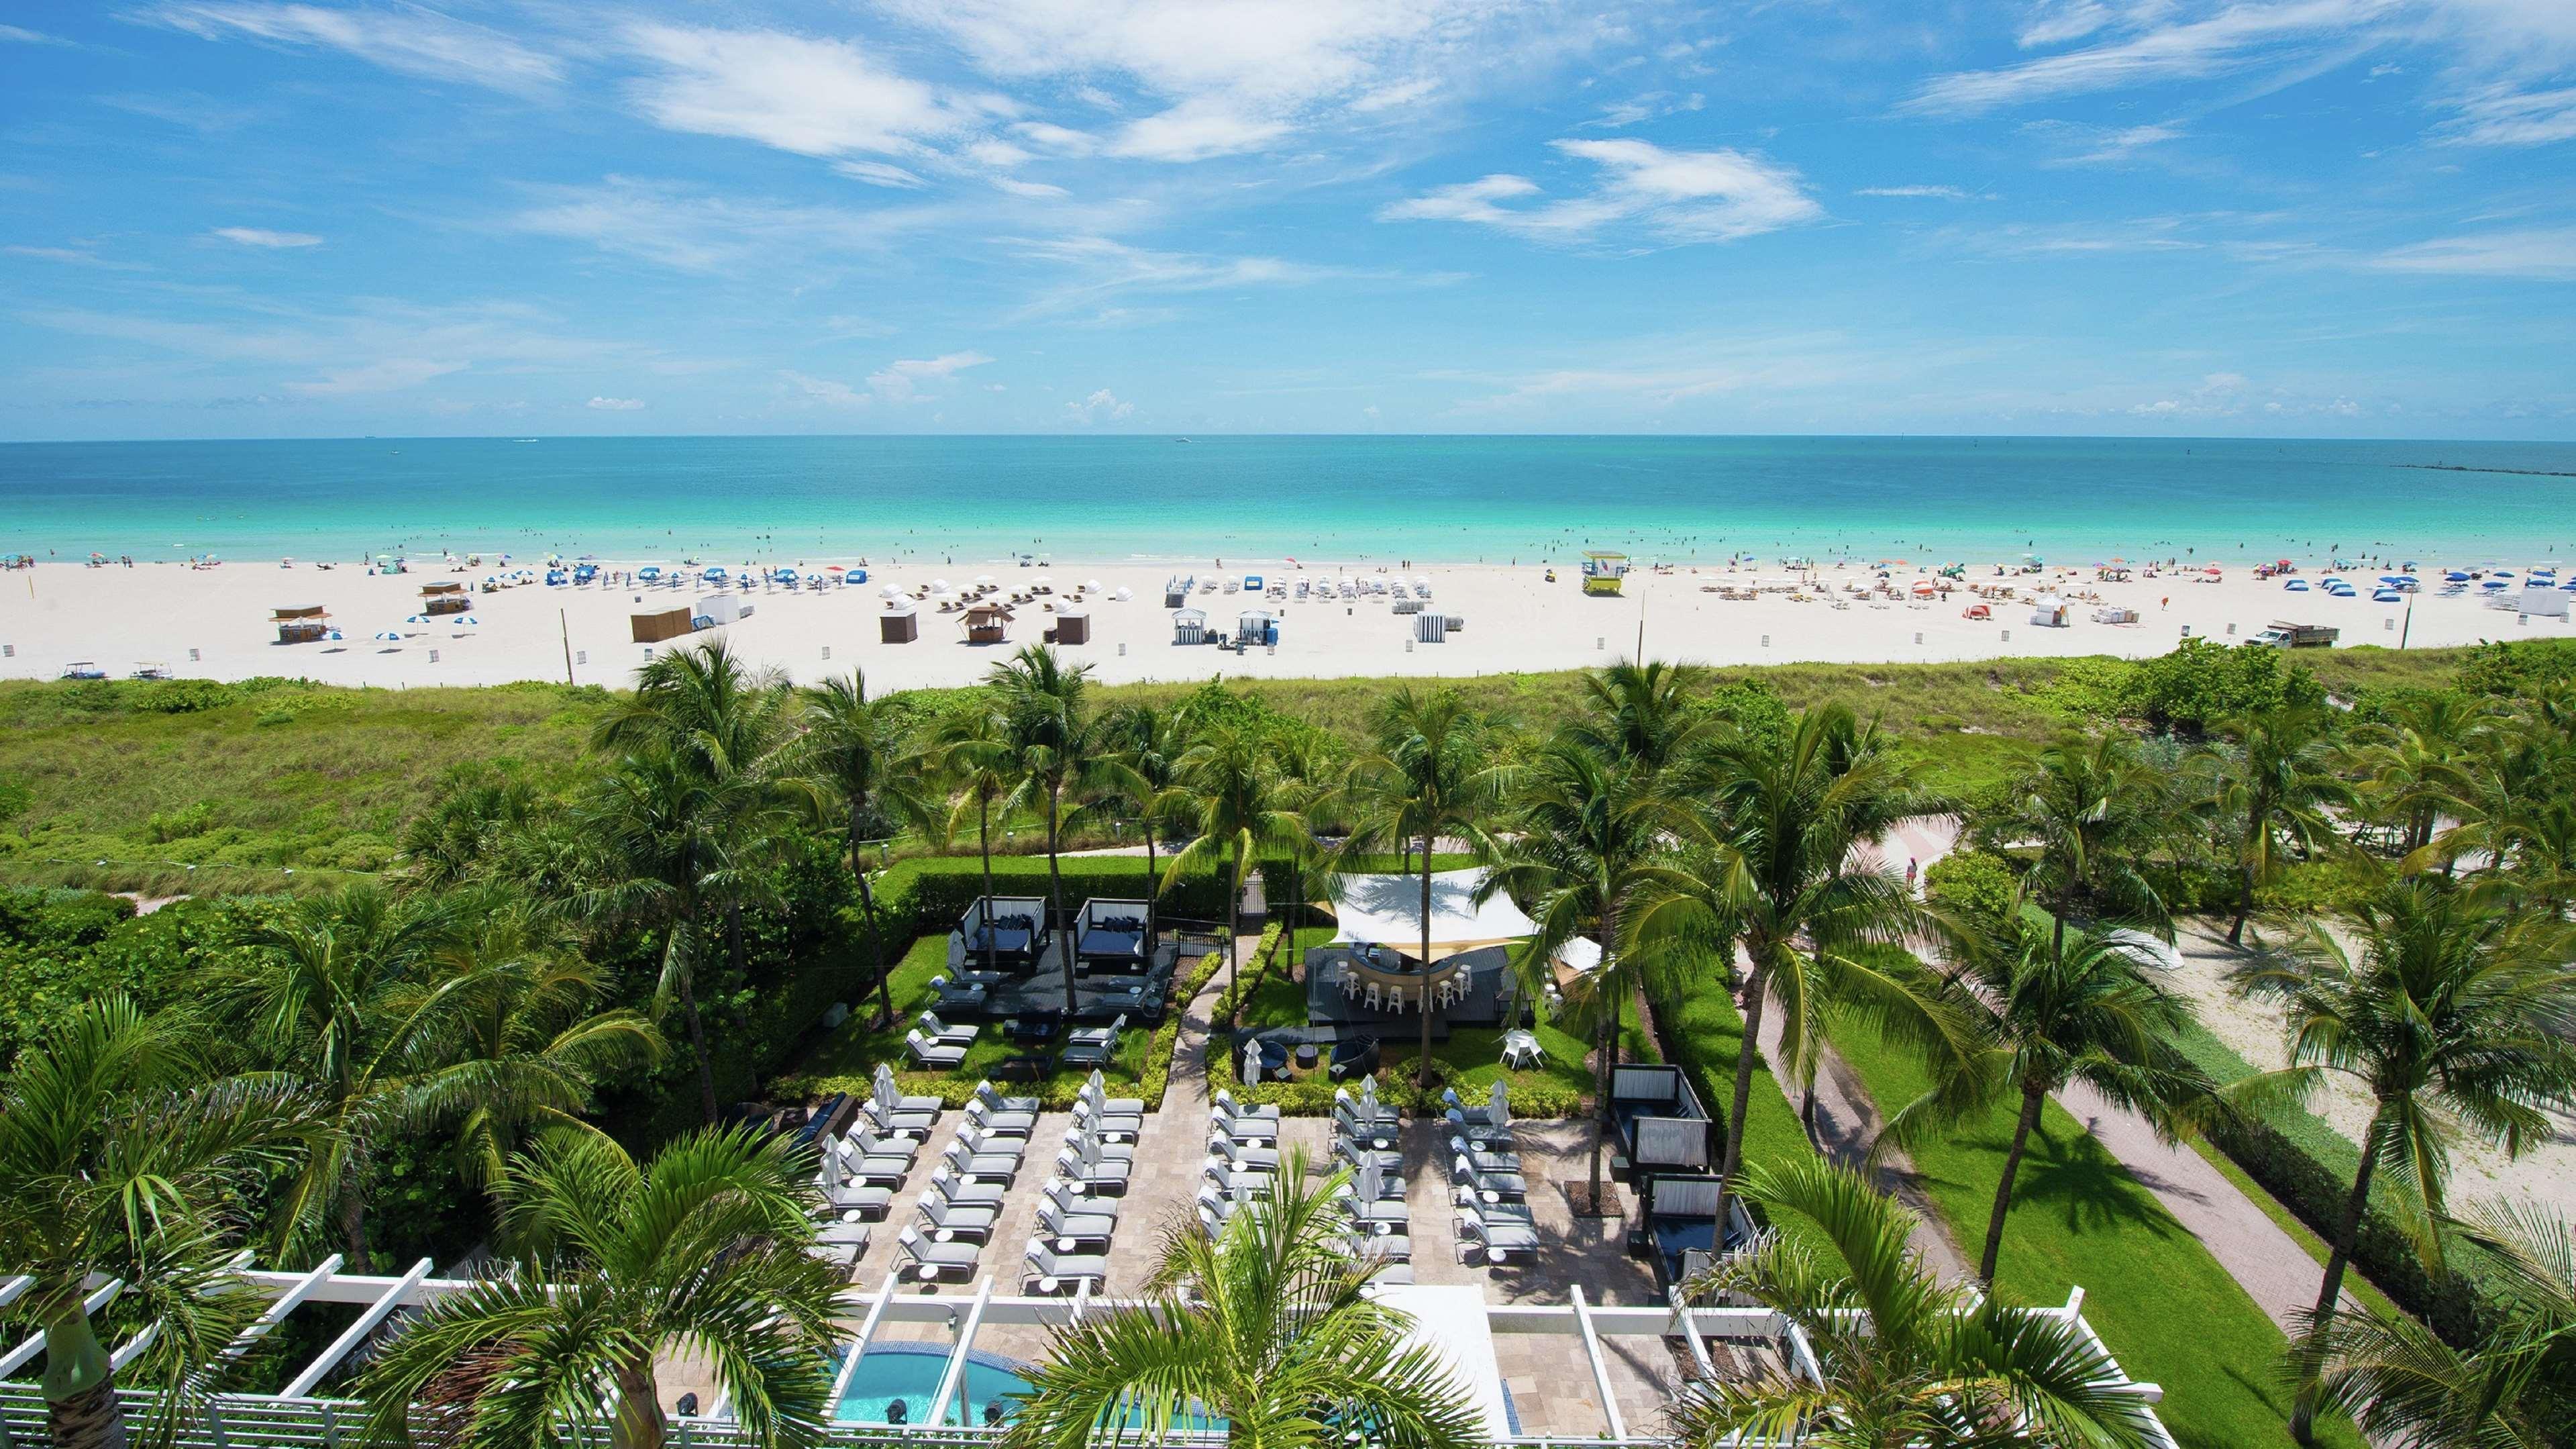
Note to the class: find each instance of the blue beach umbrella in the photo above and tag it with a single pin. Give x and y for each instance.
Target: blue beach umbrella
(2456, 576)
(2492, 585)
(2385, 596)
(389, 635)
(465, 619)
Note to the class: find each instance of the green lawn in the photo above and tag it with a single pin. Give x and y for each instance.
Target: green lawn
(2165, 1307)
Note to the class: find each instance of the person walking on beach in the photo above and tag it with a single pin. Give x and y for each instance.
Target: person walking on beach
(1909, 873)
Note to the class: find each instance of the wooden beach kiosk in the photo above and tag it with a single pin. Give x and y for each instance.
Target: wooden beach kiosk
(661, 624)
(987, 623)
(1602, 571)
(1072, 625)
(301, 624)
(447, 598)
(901, 622)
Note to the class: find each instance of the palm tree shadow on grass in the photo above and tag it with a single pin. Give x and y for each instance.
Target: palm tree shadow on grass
(2074, 1175)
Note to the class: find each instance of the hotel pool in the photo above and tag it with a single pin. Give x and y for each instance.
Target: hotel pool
(908, 1373)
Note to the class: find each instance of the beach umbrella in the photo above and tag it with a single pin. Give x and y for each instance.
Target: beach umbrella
(940, 586)
(1043, 582)
(464, 619)
(1499, 1105)
(1124, 593)
(1091, 585)
(2492, 585)
(1368, 1096)
(1252, 1063)
(2296, 586)
(1372, 1180)
(2456, 576)
(389, 634)
(2385, 596)
(2392, 580)
(892, 591)
(982, 579)
(419, 619)
(2568, 587)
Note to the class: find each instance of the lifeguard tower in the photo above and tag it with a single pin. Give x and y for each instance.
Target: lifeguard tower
(1602, 571)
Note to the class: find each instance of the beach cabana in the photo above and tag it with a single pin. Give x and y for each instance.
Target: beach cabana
(659, 625)
(901, 623)
(1011, 929)
(1072, 625)
(1256, 626)
(721, 609)
(2048, 611)
(1111, 933)
(446, 598)
(1189, 626)
(987, 624)
(1430, 628)
(301, 623)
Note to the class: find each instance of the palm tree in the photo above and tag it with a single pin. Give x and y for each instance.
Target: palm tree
(1431, 775)
(336, 993)
(861, 751)
(670, 839)
(1272, 1327)
(1150, 742)
(526, 1040)
(2412, 762)
(1243, 809)
(2097, 811)
(1786, 820)
(704, 704)
(2272, 790)
(2515, 1389)
(2048, 1016)
(1061, 760)
(704, 1250)
(1902, 1361)
(1642, 713)
(972, 750)
(1582, 841)
(119, 1159)
(2454, 1016)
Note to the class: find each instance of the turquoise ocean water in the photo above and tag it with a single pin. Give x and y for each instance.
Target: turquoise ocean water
(1448, 499)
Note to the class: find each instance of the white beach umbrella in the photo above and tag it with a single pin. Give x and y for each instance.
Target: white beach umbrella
(1368, 1095)
(389, 634)
(1092, 585)
(1252, 1063)
(1501, 1109)
(1042, 582)
(892, 591)
(941, 586)
(983, 578)
(1124, 593)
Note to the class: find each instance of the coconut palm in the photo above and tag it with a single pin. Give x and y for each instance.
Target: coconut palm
(1643, 713)
(2270, 794)
(1150, 742)
(2412, 763)
(703, 1250)
(2047, 1015)
(669, 841)
(1902, 1360)
(336, 992)
(1781, 868)
(2454, 1015)
(704, 704)
(1242, 809)
(1431, 775)
(1271, 1326)
(861, 751)
(971, 750)
(121, 1159)
(1581, 842)
(525, 1040)
(1061, 761)
(2514, 1389)
(2097, 812)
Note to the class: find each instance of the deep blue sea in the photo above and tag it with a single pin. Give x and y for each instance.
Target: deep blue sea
(1452, 499)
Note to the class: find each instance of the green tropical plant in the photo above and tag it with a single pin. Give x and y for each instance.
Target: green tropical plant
(971, 751)
(2097, 812)
(1581, 841)
(2411, 762)
(1902, 1360)
(2047, 1015)
(861, 751)
(120, 1158)
(2454, 1015)
(1150, 742)
(1272, 1327)
(1646, 714)
(1243, 808)
(1432, 775)
(2270, 792)
(703, 1250)
(1060, 759)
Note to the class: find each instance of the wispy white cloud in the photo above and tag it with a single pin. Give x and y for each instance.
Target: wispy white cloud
(412, 39)
(21, 35)
(2500, 115)
(1926, 193)
(79, 256)
(1102, 406)
(878, 173)
(251, 236)
(813, 97)
(702, 231)
(2538, 253)
(907, 380)
(390, 375)
(616, 404)
(2078, 144)
(1672, 196)
(1094, 267)
(2229, 38)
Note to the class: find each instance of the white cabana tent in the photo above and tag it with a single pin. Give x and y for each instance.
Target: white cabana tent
(1386, 910)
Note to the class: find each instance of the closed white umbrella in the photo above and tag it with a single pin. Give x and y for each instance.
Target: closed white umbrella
(1252, 1063)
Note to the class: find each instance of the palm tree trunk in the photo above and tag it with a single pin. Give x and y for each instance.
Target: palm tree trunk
(638, 1423)
(2032, 1096)
(876, 941)
(698, 1046)
(984, 847)
(1604, 1041)
(81, 1411)
(1234, 934)
(353, 1218)
(1422, 1074)
(1152, 889)
(1755, 989)
(2303, 1417)
(1055, 907)
(2244, 904)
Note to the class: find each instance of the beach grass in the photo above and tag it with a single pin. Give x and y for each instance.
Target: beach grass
(2166, 1308)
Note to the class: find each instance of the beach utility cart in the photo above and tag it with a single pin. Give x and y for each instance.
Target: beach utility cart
(1603, 570)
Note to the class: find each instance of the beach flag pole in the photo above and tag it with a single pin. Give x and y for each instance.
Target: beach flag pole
(566, 626)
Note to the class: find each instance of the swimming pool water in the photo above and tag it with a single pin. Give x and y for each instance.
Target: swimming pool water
(909, 1373)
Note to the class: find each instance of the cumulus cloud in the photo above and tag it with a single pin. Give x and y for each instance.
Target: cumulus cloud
(906, 380)
(251, 236)
(1102, 406)
(1674, 196)
(616, 404)
(413, 40)
(812, 97)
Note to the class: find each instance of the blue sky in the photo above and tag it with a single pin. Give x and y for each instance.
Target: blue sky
(2277, 217)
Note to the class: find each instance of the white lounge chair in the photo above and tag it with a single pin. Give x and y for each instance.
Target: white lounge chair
(1498, 1238)
(948, 1222)
(1074, 1232)
(1051, 1272)
(981, 1166)
(964, 1191)
(945, 1034)
(1096, 1087)
(999, 1124)
(930, 1055)
(935, 1260)
(1102, 1176)
(1262, 1131)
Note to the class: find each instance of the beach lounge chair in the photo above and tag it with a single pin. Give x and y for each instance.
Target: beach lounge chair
(869, 1200)
(1112, 1128)
(1071, 1201)
(1093, 1147)
(1000, 1124)
(1259, 1159)
(930, 1055)
(1496, 1238)
(956, 996)
(857, 1164)
(1093, 1046)
(866, 1141)
(1262, 1131)
(1489, 1186)
(963, 1191)
(884, 1093)
(1097, 1090)
(897, 1122)
(991, 1096)
(1266, 1112)
(1070, 1233)
(1236, 1182)
(1482, 1160)
(1051, 1272)
(1388, 1159)
(946, 1035)
(1371, 1130)
(934, 1260)
(1494, 1212)
(1000, 1167)
(1382, 1242)
(1102, 1176)
(1347, 1108)
(841, 1252)
(1387, 1209)
(945, 1221)
(1076, 1217)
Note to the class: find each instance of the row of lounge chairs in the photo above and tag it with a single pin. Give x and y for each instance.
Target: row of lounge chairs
(1486, 1183)
(935, 1046)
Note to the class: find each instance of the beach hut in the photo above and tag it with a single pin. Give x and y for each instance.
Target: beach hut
(446, 598)
(901, 622)
(1256, 626)
(987, 624)
(2048, 611)
(301, 623)
(1072, 625)
(1602, 571)
(1430, 628)
(2544, 600)
(722, 609)
(659, 625)
(1189, 626)
(1176, 591)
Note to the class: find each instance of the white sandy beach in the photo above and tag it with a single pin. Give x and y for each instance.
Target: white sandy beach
(215, 622)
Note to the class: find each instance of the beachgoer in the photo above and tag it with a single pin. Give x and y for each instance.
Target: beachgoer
(1909, 872)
